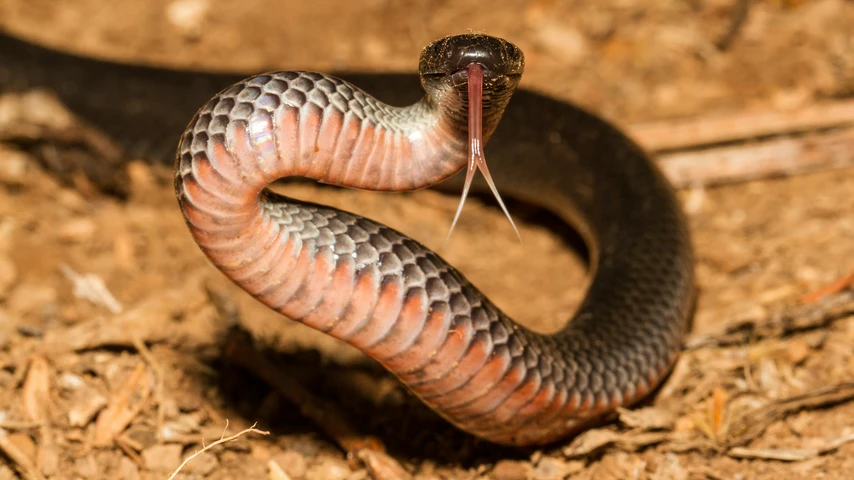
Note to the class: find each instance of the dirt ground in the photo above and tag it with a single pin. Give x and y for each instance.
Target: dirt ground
(112, 321)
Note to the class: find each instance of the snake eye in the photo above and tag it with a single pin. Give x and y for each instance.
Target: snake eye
(452, 54)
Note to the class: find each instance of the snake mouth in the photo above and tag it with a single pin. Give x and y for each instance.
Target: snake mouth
(474, 77)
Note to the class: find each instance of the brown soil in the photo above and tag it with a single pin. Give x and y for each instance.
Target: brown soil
(759, 245)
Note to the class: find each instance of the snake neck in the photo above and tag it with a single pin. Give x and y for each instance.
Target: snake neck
(316, 126)
(449, 97)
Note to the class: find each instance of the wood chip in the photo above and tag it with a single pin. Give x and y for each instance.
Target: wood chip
(36, 390)
(381, 466)
(649, 418)
(22, 463)
(124, 406)
(597, 439)
(510, 470)
(89, 403)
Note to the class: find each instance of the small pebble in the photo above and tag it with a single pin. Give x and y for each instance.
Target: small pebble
(141, 177)
(28, 298)
(141, 436)
(293, 463)
(510, 470)
(77, 230)
(797, 350)
(260, 452)
(85, 467)
(203, 464)
(13, 168)
(563, 41)
(276, 471)
(328, 469)
(128, 470)
(188, 16)
(162, 458)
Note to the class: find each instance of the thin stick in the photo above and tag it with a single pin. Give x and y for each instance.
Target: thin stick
(685, 133)
(739, 17)
(158, 381)
(15, 425)
(757, 160)
(222, 440)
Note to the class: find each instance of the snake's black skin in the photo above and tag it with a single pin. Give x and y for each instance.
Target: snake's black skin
(446, 341)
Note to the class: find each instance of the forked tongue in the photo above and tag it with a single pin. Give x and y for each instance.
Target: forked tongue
(476, 158)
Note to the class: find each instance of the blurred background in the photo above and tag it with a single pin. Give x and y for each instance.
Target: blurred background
(630, 60)
(86, 278)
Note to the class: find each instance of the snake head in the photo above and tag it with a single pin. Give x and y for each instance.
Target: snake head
(450, 55)
(444, 70)
(443, 66)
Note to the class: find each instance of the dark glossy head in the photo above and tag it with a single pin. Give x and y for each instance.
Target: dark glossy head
(452, 54)
(444, 75)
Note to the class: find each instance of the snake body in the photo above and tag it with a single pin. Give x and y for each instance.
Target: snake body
(401, 303)
(396, 300)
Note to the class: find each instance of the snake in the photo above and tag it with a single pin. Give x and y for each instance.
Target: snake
(377, 289)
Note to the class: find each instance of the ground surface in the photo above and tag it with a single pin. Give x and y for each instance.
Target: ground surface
(760, 244)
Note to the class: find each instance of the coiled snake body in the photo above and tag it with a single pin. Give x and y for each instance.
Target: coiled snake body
(397, 301)
(374, 287)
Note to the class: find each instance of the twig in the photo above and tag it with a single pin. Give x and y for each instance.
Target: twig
(124, 406)
(22, 463)
(751, 145)
(158, 382)
(709, 130)
(130, 451)
(837, 286)
(222, 440)
(786, 321)
(757, 160)
(753, 423)
(789, 455)
(739, 16)
(14, 425)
